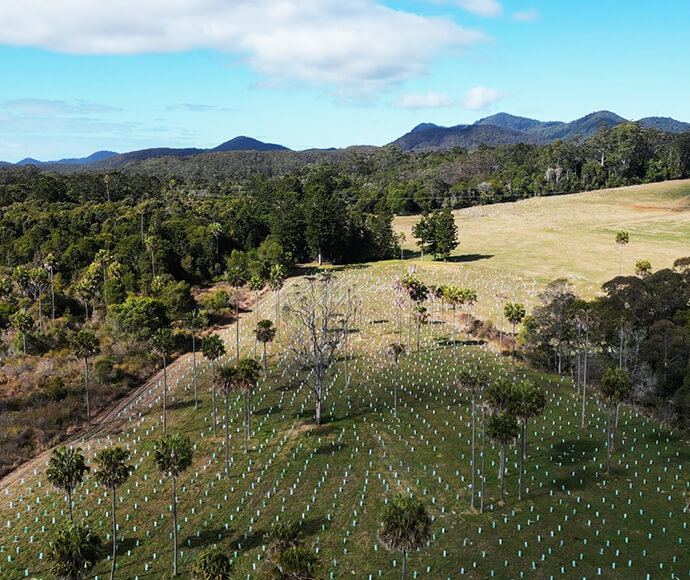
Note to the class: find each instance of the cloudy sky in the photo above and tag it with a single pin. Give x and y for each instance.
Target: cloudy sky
(84, 75)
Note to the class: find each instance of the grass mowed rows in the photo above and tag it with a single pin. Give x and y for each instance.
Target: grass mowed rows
(574, 522)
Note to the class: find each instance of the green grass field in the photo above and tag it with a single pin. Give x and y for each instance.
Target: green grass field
(573, 236)
(574, 522)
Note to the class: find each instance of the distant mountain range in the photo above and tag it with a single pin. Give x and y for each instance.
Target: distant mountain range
(505, 129)
(499, 129)
(113, 159)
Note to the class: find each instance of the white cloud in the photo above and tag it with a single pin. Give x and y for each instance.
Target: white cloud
(423, 101)
(526, 16)
(481, 97)
(487, 8)
(358, 45)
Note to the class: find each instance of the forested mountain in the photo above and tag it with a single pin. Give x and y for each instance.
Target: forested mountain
(503, 128)
(467, 136)
(101, 159)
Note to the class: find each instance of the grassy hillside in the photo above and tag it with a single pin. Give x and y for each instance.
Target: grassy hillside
(573, 236)
(334, 478)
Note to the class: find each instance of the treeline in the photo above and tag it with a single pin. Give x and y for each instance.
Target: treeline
(640, 325)
(404, 182)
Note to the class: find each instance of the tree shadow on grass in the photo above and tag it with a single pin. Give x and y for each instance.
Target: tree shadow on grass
(330, 449)
(206, 537)
(250, 541)
(181, 404)
(469, 258)
(573, 451)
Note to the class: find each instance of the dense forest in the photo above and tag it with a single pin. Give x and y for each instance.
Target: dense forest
(123, 253)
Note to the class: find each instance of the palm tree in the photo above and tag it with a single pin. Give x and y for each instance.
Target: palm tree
(237, 277)
(469, 298)
(74, 552)
(104, 259)
(49, 264)
(395, 351)
(485, 409)
(248, 372)
(421, 316)
(471, 381)
(502, 428)
(213, 348)
(173, 456)
(212, 565)
(66, 470)
(113, 472)
(276, 281)
(265, 332)
(85, 346)
(228, 379)
(22, 322)
(529, 402)
(453, 296)
(195, 321)
(163, 342)
(215, 229)
(584, 320)
(405, 526)
(152, 244)
(615, 387)
(515, 313)
(622, 239)
(256, 284)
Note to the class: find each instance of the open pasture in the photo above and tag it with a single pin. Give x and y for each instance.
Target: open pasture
(573, 522)
(573, 236)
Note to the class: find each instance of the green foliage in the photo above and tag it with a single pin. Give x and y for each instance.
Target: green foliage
(66, 468)
(113, 469)
(437, 233)
(173, 454)
(212, 346)
(212, 565)
(405, 524)
(615, 386)
(140, 316)
(85, 344)
(74, 552)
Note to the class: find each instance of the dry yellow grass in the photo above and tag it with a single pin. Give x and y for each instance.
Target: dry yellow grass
(573, 236)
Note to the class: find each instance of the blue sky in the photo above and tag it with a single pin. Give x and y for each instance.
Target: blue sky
(80, 75)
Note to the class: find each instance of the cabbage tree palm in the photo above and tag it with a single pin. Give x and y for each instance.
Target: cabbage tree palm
(502, 428)
(213, 348)
(615, 388)
(248, 372)
(85, 346)
(469, 298)
(470, 380)
(395, 351)
(265, 332)
(163, 342)
(228, 381)
(405, 526)
(22, 322)
(66, 470)
(514, 313)
(528, 403)
(113, 471)
(173, 455)
(256, 284)
(49, 265)
(276, 281)
(237, 277)
(195, 321)
(622, 239)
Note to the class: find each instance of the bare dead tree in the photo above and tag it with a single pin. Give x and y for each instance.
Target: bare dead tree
(320, 312)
